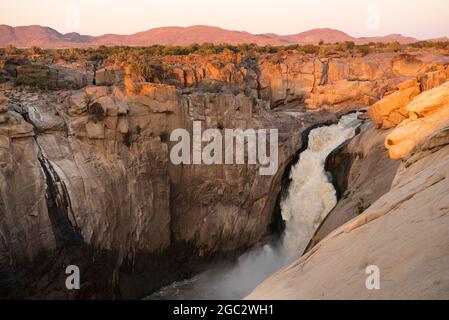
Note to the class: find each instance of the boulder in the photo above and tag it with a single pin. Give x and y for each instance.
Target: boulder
(434, 79)
(430, 101)
(428, 111)
(406, 137)
(51, 77)
(390, 111)
(13, 125)
(108, 77)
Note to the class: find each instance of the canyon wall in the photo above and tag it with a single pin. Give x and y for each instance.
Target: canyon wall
(86, 180)
(402, 235)
(335, 82)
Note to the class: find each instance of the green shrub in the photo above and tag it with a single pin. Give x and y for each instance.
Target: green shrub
(364, 50)
(11, 50)
(128, 139)
(21, 80)
(207, 49)
(41, 81)
(273, 49)
(393, 47)
(349, 45)
(141, 56)
(155, 73)
(143, 70)
(309, 49)
(36, 50)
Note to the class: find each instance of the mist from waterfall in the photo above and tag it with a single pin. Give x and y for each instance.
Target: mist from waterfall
(310, 197)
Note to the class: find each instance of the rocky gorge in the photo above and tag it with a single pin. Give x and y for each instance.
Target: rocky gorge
(401, 234)
(86, 177)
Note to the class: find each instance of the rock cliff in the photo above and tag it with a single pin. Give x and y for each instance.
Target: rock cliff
(335, 82)
(403, 233)
(86, 180)
(85, 173)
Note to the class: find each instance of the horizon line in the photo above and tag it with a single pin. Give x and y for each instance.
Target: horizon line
(221, 28)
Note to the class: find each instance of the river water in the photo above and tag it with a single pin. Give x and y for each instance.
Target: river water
(310, 197)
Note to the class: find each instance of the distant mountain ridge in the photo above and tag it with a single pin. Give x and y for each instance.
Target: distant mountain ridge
(45, 37)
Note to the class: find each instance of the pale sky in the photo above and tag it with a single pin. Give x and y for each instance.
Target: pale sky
(419, 18)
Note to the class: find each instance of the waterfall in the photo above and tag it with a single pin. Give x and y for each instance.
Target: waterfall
(310, 197)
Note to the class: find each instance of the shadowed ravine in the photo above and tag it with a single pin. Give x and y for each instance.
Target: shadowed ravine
(309, 198)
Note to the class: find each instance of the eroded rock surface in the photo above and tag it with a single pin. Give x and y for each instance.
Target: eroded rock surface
(86, 180)
(85, 172)
(403, 233)
(428, 114)
(337, 82)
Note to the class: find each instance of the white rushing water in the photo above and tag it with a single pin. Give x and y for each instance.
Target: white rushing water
(310, 197)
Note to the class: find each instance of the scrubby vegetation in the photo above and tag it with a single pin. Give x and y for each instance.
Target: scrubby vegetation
(434, 44)
(40, 81)
(146, 70)
(150, 63)
(123, 54)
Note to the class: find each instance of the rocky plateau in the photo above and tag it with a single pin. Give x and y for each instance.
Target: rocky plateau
(86, 176)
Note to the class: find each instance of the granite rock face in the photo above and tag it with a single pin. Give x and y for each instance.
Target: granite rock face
(87, 180)
(52, 76)
(86, 176)
(390, 111)
(337, 82)
(428, 115)
(403, 234)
